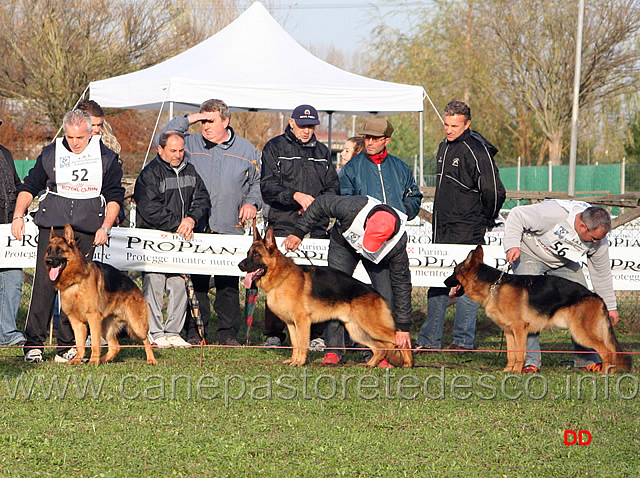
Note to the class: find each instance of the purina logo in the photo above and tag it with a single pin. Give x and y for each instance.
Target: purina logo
(307, 112)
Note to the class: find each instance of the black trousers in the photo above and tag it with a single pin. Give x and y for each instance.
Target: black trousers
(274, 326)
(226, 305)
(43, 296)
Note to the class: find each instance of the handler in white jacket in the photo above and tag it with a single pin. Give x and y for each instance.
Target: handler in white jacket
(556, 237)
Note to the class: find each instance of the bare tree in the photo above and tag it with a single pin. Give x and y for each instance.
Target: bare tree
(52, 49)
(533, 50)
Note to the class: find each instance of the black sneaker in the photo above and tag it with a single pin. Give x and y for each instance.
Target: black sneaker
(230, 341)
(194, 340)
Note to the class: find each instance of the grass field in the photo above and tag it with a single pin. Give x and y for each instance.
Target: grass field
(243, 413)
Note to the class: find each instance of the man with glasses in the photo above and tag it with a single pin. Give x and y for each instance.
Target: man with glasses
(375, 173)
(555, 237)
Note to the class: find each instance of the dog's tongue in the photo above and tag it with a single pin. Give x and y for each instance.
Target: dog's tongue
(248, 280)
(54, 272)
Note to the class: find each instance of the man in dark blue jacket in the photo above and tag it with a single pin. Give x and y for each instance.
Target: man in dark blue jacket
(382, 176)
(170, 196)
(296, 169)
(468, 198)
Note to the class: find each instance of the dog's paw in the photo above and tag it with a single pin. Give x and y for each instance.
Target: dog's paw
(152, 362)
(75, 361)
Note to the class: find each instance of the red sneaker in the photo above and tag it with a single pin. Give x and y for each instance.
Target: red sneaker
(384, 364)
(594, 367)
(331, 359)
(530, 369)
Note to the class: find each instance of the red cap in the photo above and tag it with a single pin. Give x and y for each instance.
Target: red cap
(379, 228)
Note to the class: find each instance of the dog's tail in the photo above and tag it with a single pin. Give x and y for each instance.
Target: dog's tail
(400, 358)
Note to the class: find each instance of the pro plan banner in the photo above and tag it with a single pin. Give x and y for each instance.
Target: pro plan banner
(209, 254)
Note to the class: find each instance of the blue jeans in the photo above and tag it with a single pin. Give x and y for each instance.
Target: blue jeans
(10, 293)
(464, 325)
(529, 265)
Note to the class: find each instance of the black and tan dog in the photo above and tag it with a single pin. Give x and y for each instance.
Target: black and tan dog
(526, 304)
(97, 295)
(302, 296)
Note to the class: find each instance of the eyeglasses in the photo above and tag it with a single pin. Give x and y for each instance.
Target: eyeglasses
(375, 139)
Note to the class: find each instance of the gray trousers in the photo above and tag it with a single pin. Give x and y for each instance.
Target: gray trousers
(154, 286)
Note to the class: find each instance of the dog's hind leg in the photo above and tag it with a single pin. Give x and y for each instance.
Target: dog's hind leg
(600, 337)
(136, 318)
(111, 329)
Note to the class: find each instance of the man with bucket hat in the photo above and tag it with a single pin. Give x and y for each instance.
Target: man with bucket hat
(365, 230)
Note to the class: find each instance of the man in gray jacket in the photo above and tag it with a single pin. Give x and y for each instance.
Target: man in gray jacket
(555, 237)
(230, 168)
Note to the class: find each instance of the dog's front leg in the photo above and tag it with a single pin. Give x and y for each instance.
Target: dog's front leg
(80, 335)
(511, 347)
(300, 340)
(520, 347)
(95, 329)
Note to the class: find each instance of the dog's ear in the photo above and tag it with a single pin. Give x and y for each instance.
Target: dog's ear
(52, 234)
(478, 254)
(256, 235)
(270, 240)
(68, 235)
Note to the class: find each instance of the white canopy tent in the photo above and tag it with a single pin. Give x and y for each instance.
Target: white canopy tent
(253, 64)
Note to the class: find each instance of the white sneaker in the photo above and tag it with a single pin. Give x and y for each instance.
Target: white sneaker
(317, 344)
(33, 356)
(88, 341)
(162, 341)
(65, 357)
(177, 341)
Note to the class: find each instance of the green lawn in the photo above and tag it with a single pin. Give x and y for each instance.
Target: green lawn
(243, 413)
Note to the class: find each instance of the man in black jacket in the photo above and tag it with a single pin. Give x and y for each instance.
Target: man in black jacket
(79, 175)
(10, 279)
(373, 232)
(170, 196)
(296, 169)
(468, 198)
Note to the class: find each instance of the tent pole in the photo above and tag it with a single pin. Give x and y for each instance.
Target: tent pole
(329, 137)
(421, 135)
(170, 110)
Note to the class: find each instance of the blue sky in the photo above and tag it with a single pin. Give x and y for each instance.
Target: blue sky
(341, 23)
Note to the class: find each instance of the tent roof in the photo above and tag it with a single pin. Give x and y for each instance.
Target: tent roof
(254, 64)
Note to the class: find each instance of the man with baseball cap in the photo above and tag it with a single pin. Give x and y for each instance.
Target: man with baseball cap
(377, 174)
(296, 169)
(373, 232)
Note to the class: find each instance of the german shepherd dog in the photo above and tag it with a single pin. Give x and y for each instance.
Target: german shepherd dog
(98, 295)
(525, 304)
(302, 296)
